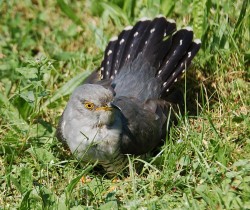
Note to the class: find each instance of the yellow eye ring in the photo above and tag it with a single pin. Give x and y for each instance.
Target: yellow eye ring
(89, 105)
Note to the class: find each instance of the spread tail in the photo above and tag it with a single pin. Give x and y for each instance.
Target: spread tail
(168, 51)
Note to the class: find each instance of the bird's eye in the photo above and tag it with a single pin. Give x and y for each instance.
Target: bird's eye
(89, 105)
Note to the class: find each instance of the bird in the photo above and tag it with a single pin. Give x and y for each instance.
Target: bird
(124, 106)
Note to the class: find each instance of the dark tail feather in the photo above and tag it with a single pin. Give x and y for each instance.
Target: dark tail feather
(134, 39)
(168, 53)
(145, 37)
(182, 65)
(155, 48)
(117, 51)
(181, 42)
(107, 63)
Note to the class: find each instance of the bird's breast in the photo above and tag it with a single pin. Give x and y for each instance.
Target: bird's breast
(93, 143)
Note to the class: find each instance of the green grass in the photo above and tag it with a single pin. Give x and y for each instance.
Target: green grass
(47, 48)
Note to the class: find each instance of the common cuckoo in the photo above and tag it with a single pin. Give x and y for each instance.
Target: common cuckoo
(126, 110)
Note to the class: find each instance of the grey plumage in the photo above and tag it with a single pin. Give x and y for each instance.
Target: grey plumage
(125, 112)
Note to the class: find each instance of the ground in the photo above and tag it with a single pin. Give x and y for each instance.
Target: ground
(47, 48)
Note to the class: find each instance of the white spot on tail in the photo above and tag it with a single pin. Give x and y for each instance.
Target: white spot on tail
(115, 71)
(197, 41)
(167, 62)
(136, 34)
(164, 84)
(107, 73)
(144, 19)
(128, 56)
(107, 62)
(146, 42)
(122, 40)
(183, 71)
(167, 90)
(117, 61)
(181, 42)
(175, 80)
(160, 16)
(112, 77)
(102, 69)
(170, 20)
(188, 28)
(159, 72)
(189, 54)
(173, 74)
(127, 28)
(109, 52)
(174, 51)
(152, 30)
(114, 38)
(132, 45)
(181, 64)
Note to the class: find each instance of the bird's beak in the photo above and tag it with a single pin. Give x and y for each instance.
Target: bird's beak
(104, 108)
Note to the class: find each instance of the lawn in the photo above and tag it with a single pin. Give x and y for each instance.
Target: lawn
(47, 48)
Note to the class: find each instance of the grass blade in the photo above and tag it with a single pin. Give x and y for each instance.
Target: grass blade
(238, 26)
(67, 10)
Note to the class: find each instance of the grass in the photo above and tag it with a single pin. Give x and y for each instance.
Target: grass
(47, 48)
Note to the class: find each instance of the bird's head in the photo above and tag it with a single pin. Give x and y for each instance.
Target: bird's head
(91, 103)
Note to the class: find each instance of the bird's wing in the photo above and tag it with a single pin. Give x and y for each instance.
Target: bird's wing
(142, 124)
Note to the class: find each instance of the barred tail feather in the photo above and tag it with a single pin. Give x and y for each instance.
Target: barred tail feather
(155, 49)
(107, 63)
(169, 52)
(181, 41)
(121, 48)
(182, 65)
(145, 37)
(117, 51)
